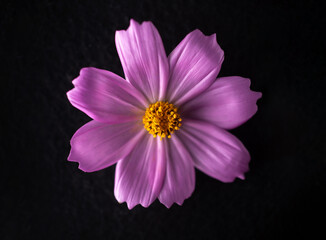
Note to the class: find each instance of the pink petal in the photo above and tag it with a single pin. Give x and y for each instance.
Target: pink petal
(143, 59)
(180, 173)
(215, 151)
(228, 103)
(194, 65)
(98, 145)
(139, 176)
(106, 97)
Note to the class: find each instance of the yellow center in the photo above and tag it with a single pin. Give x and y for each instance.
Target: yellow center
(162, 119)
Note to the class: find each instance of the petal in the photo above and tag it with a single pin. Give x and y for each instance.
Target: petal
(228, 103)
(143, 59)
(194, 65)
(179, 181)
(106, 97)
(139, 176)
(215, 151)
(98, 145)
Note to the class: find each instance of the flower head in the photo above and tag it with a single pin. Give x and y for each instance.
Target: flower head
(165, 119)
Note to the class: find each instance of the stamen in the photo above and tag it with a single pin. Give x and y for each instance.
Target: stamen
(162, 119)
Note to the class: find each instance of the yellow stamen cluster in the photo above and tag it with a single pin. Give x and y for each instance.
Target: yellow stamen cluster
(162, 119)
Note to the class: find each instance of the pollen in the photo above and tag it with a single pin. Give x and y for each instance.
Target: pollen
(162, 119)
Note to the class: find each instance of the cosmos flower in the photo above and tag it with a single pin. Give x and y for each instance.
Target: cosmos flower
(166, 118)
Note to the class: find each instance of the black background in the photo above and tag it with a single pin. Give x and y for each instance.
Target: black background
(278, 44)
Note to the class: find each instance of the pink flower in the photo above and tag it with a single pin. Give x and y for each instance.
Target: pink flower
(168, 117)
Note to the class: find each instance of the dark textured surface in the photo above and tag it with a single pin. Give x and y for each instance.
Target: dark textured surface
(279, 45)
